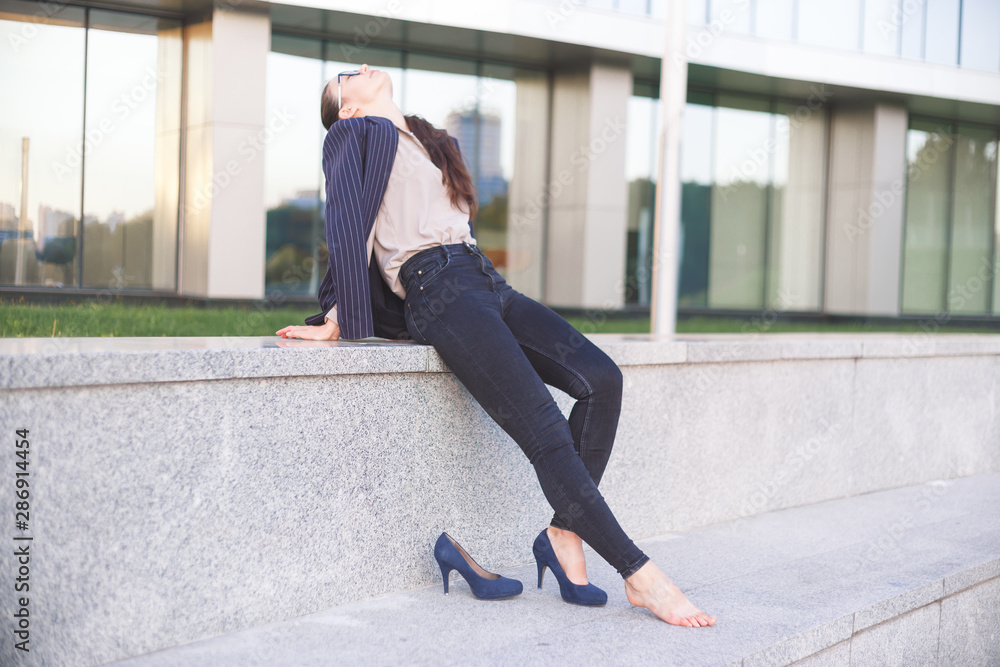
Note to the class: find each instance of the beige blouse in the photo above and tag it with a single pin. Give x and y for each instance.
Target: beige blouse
(416, 213)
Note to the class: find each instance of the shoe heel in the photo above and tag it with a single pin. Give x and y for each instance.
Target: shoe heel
(445, 571)
(541, 572)
(484, 585)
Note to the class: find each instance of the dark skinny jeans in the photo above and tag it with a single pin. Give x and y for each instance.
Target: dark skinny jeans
(504, 347)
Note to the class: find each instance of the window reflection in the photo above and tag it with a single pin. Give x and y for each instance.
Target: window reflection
(925, 245)
(121, 169)
(972, 221)
(739, 204)
(640, 174)
(696, 202)
(293, 171)
(133, 68)
(950, 230)
(50, 118)
(752, 201)
(474, 102)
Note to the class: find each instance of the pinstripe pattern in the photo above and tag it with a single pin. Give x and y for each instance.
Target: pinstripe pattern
(355, 183)
(358, 156)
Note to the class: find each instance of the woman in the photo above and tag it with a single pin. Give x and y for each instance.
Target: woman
(501, 345)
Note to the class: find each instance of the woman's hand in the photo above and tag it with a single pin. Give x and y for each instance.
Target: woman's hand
(326, 331)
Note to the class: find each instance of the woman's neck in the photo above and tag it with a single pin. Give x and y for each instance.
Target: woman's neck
(390, 111)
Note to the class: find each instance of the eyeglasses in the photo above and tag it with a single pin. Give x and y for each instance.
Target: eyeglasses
(340, 100)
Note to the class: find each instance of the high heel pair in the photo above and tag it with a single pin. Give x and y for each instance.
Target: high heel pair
(491, 586)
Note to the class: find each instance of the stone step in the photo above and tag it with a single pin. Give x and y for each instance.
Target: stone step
(908, 576)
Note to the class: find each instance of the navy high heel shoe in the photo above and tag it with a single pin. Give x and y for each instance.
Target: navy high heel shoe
(587, 594)
(485, 585)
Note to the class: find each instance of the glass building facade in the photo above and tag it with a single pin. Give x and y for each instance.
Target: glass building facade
(945, 32)
(474, 101)
(89, 160)
(752, 202)
(949, 255)
(113, 134)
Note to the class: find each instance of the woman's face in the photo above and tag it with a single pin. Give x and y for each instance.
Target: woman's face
(362, 90)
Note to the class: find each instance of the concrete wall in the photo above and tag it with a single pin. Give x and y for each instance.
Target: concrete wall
(186, 487)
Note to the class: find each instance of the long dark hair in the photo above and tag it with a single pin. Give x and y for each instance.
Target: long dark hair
(442, 150)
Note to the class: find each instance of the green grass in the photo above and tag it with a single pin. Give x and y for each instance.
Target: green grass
(736, 325)
(117, 319)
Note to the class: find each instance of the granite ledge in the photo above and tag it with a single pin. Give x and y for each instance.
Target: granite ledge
(825, 635)
(62, 362)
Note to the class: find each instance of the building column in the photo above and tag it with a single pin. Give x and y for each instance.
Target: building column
(528, 187)
(588, 195)
(227, 128)
(866, 196)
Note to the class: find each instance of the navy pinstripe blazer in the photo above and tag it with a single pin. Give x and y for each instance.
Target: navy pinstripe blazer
(358, 154)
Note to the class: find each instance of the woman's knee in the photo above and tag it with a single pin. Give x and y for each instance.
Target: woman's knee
(604, 376)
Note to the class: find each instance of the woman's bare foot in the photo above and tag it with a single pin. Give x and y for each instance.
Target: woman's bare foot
(652, 589)
(568, 548)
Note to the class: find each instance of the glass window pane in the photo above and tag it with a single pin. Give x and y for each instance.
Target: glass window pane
(774, 19)
(941, 38)
(295, 254)
(832, 24)
(640, 174)
(488, 133)
(928, 169)
(696, 11)
(436, 87)
(912, 27)
(739, 205)
(637, 7)
(797, 206)
(881, 27)
(42, 62)
(696, 203)
(732, 16)
(132, 151)
(981, 34)
(972, 221)
(528, 140)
